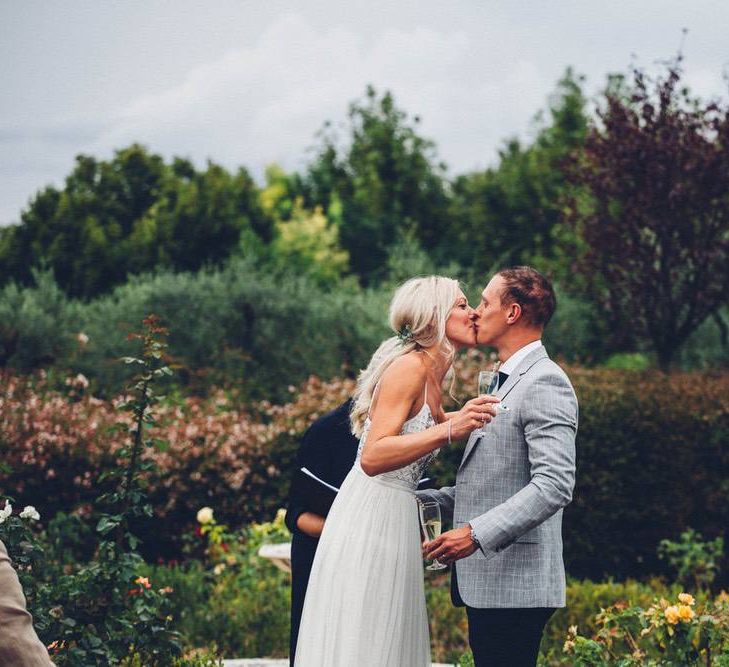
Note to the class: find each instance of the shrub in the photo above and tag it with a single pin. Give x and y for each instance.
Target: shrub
(240, 325)
(585, 599)
(694, 561)
(652, 458)
(242, 607)
(58, 448)
(234, 600)
(35, 324)
(259, 331)
(92, 613)
(675, 632)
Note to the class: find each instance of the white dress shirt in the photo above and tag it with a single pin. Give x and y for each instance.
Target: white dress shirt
(512, 363)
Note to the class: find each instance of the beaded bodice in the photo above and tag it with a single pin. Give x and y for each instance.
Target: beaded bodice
(409, 475)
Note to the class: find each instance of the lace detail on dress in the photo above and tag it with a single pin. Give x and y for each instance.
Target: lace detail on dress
(409, 475)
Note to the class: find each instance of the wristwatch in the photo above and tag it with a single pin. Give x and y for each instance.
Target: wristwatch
(474, 539)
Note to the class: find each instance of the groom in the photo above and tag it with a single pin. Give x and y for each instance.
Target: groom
(513, 481)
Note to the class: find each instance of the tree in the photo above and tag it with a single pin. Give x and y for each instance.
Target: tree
(132, 214)
(308, 244)
(511, 214)
(655, 225)
(386, 179)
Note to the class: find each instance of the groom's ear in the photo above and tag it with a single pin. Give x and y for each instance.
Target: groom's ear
(513, 314)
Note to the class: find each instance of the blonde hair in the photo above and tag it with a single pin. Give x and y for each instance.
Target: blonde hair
(418, 313)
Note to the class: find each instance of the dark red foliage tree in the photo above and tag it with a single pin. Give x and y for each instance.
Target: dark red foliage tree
(653, 212)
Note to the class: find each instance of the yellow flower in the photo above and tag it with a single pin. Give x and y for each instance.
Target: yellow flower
(672, 614)
(568, 646)
(205, 515)
(686, 598)
(572, 630)
(685, 612)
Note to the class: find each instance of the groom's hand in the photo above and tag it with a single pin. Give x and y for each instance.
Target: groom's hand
(450, 546)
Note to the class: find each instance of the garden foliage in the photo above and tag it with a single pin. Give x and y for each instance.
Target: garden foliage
(651, 454)
(101, 611)
(238, 602)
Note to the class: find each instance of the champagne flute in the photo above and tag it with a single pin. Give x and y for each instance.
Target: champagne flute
(431, 523)
(488, 383)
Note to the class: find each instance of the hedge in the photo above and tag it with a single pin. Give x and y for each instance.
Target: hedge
(653, 458)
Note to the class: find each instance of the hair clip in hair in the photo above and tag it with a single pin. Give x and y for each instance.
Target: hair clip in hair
(405, 334)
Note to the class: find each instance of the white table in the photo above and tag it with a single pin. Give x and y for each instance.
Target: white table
(278, 554)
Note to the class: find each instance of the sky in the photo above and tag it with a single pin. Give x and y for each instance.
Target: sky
(249, 83)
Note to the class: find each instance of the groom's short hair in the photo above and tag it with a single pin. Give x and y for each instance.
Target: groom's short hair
(532, 291)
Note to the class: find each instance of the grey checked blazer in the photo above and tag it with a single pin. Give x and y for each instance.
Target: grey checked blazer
(511, 487)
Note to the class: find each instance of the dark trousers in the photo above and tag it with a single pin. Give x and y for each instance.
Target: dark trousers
(303, 550)
(503, 637)
(506, 637)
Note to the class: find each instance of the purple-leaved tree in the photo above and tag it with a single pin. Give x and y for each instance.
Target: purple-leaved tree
(652, 209)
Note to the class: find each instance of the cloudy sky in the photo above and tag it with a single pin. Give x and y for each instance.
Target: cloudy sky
(250, 82)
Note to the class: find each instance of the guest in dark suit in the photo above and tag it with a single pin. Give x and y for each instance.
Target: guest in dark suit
(328, 449)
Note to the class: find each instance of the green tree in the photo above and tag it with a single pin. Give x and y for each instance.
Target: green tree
(308, 245)
(511, 214)
(128, 215)
(386, 179)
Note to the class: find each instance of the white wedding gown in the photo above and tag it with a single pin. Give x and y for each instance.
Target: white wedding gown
(365, 602)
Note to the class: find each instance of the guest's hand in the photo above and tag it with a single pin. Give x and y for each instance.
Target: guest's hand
(450, 546)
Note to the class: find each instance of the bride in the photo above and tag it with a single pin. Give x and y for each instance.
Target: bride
(365, 603)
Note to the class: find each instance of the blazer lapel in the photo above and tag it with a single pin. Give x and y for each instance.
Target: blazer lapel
(472, 439)
(511, 382)
(521, 370)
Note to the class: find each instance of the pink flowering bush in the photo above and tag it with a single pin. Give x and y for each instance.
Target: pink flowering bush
(216, 450)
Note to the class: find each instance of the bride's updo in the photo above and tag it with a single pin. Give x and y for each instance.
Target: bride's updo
(418, 314)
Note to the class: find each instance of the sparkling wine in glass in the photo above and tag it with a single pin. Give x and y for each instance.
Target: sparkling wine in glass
(431, 523)
(488, 383)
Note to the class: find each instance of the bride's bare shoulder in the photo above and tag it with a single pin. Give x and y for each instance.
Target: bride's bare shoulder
(406, 372)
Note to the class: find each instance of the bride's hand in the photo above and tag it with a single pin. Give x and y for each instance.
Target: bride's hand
(474, 414)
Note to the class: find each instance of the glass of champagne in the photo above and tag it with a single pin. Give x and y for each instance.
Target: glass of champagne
(430, 521)
(488, 382)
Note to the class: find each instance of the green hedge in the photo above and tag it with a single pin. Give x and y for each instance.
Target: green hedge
(652, 460)
(239, 325)
(247, 327)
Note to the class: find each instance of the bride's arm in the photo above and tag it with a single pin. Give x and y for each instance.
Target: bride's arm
(402, 384)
